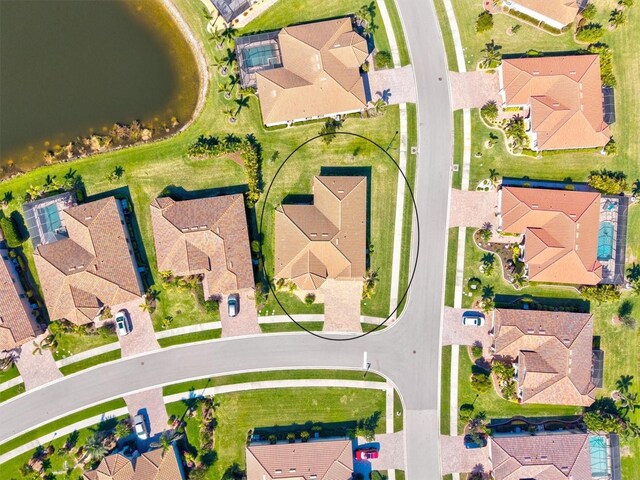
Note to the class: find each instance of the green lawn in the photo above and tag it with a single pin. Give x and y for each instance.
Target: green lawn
(396, 22)
(445, 391)
(458, 148)
(11, 392)
(190, 337)
(398, 413)
(447, 36)
(452, 251)
(58, 424)
(236, 413)
(9, 374)
(496, 407)
(72, 343)
(90, 362)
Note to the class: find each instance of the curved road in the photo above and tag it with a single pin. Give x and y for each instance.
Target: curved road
(408, 353)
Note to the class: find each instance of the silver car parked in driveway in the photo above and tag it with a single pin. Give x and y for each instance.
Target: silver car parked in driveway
(123, 323)
(233, 304)
(472, 319)
(140, 427)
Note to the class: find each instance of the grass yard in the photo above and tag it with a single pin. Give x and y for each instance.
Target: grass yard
(445, 390)
(493, 405)
(150, 168)
(190, 337)
(398, 413)
(11, 392)
(396, 22)
(452, 251)
(71, 343)
(238, 412)
(90, 362)
(9, 374)
(458, 149)
(447, 36)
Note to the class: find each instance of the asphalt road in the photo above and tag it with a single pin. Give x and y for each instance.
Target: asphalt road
(407, 353)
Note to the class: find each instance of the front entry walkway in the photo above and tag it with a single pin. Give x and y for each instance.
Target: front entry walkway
(341, 305)
(142, 338)
(394, 85)
(245, 322)
(473, 208)
(458, 459)
(473, 89)
(36, 366)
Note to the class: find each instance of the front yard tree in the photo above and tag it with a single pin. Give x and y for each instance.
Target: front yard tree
(589, 12)
(600, 294)
(484, 22)
(591, 32)
(329, 129)
(489, 111)
(608, 181)
(617, 18)
(491, 56)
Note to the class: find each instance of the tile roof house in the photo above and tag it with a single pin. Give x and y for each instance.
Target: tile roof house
(564, 97)
(552, 353)
(555, 13)
(152, 465)
(560, 229)
(17, 323)
(320, 73)
(326, 239)
(315, 460)
(560, 456)
(206, 236)
(94, 267)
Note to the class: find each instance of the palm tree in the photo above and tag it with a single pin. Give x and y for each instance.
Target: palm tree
(617, 18)
(51, 183)
(491, 55)
(623, 384)
(225, 88)
(629, 401)
(145, 306)
(519, 279)
(242, 102)
(8, 361)
(493, 175)
(380, 106)
(230, 114)
(228, 33)
(635, 188)
(216, 36)
(229, 58)
(166, 439)
(94, 447)
(47, 343)
(34, 191)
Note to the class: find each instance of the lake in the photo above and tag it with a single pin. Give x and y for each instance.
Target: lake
(70, 68)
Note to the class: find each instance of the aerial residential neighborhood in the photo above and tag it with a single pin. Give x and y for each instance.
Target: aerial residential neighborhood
(299, 240)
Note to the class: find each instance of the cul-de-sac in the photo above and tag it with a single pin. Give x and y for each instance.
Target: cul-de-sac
(301, 240)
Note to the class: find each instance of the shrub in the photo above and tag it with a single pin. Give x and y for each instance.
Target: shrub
(10, 232)
(600, 293)
(617, 18)
(474, 283)
(516, 28)
(291, 437)
(309, 299)
(304, 436)
(383, 59)
(476, 351)
(606, 63)
(466, 412)
(608, 181)
(489, 111)
(591, 32)
(611, 148)
(480, 382)
(589, 12)
(484, 22)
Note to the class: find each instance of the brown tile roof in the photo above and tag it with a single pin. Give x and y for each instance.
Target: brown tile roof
(152, 465)
(17, 324)
(565, 98)
(553, 350)
(561, 233)
(206, 236)
(92, 268)
(559, 456)
(320, 74)
(562, 11)
(327, 460)
(326, 239)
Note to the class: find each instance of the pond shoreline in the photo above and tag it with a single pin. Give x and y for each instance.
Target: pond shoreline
(204, 81)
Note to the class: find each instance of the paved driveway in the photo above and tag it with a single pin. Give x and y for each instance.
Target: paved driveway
(473, 209)
(36, 369)
(341, 305)
(391, 448)
(457, 459)
(395, 85)
(151, 405)
(246, 322)
(142, 338)
(473, 89)
(454, 333)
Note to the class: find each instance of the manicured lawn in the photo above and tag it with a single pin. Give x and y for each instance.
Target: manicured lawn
(150, 168)
(445, 391)
(90, 362)
(447, 37)
(398, 420)
(496, 407)
(11, 392)
(236, 413)
(452, 251)
(190, 337)
(266, 376)
(9, 374)
(58, 424)
(72, 343)
(406, 266)
(458, 149)
(399, 32)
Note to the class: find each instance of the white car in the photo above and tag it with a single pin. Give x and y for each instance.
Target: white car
(123, 324)
(233, 304)
(140, 427)
(472, 319)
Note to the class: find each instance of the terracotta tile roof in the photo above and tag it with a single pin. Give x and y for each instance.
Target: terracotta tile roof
(319, 460)
(152, 465)
(553, 350)
(561, 232)
(562, 11)
(320, 74)
(559, 456)
(565, 98)
(206, 236)
(92, 268)
(17, 324)
(326, 239)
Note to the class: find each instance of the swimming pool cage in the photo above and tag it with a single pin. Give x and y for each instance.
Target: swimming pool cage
(256, 53)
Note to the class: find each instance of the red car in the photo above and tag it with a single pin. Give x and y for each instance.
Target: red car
(366, 453)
